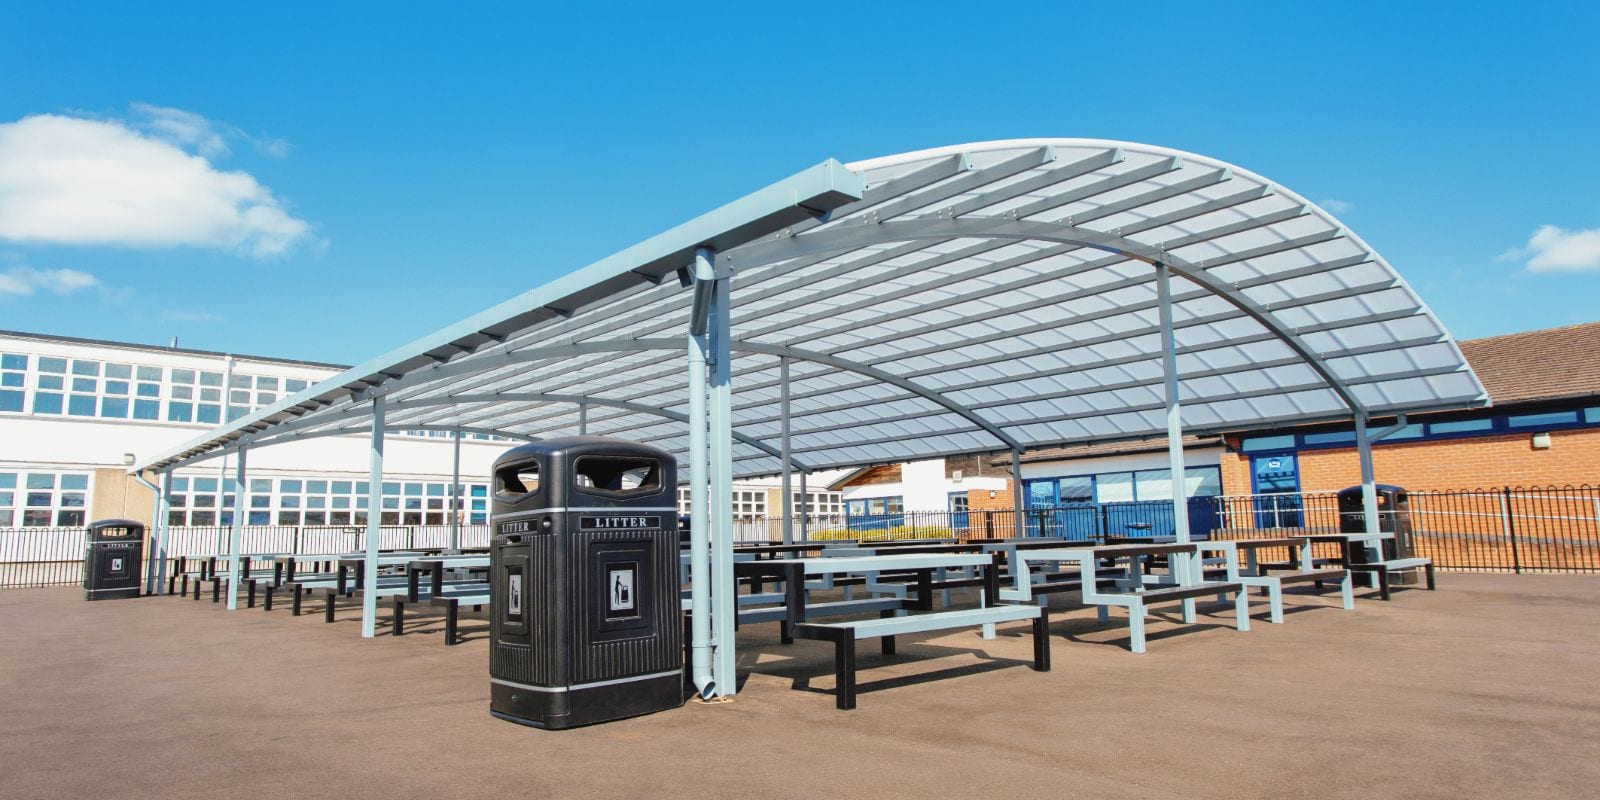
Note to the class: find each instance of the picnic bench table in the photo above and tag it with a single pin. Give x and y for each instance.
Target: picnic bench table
(1250, 573)
(1134, 590)
(1373, 563)
(794, 572)
(436, 567)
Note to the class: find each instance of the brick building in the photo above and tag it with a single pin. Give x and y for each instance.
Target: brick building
(1542, 430)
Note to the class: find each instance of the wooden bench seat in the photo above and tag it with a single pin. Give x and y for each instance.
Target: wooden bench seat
(845, 634)
(472, 591)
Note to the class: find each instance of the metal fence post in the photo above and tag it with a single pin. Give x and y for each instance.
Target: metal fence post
(1510, 528)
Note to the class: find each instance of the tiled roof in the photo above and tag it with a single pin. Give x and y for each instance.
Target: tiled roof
(1549, 364)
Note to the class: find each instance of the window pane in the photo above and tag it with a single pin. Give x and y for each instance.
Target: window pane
(202, 518)
(183, 376)
(238, 381)
(238, 397)
(10, 400)
(261, 501)
(289, 501)
(266, 399)
(180, 484)
(69, 518)
(236, 412)
(209, 414)
(210, 379)
(114, 407)
(180, 412)
(8, 480)
(122, 371)
(1540, 420)
(84, 384)
(1256, 443)
(45, 480)
(1408, 432)
(264, 382)
(75, 482)
(36, 518)
(81, 405)
(13, 361)
(52, 382)
(205, 501)
(288, 486)
(1337, 437)
(149, 390)
(56, 365)
(1591, 415)
(71, 500)
(183, 392)
(1202, 481)
(259, 518)
(316, 487)
(341, 487)
(293, 385)
(1076, 489)
(85, 367)
(261, 485)
(40, 499)
(149, 373)
(12, 379)
(146, 409)
(1461, 426)
(46, 403)
(1153, 484)
(1114, 487)
(205, 484)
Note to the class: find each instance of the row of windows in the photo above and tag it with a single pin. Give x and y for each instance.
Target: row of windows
(207, 500)
(752, 504)
(43, 499)
(79, 387)
(874, 505)
(1120, 487)
(1449, 429)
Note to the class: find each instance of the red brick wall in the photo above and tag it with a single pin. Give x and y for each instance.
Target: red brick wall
(1487, 461)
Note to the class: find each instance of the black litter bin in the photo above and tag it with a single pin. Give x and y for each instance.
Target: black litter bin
(111, 559)
(584, 592)
(1394, 516)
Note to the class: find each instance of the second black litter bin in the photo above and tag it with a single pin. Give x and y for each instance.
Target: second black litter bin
(584, 590)
(1394, 516)
(111, 559)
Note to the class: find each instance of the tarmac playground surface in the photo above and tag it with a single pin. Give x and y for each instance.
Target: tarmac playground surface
(1488, 687)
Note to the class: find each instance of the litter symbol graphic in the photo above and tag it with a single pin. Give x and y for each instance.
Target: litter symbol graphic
(621, 590)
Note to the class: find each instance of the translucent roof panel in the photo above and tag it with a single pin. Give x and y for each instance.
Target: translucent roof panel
(967, 299)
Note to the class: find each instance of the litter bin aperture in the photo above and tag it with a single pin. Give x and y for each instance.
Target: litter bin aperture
(584, 592)
(112, 555)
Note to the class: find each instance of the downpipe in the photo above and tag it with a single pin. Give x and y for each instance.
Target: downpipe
(152, 581)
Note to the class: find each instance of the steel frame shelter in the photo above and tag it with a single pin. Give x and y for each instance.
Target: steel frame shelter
(978, 298)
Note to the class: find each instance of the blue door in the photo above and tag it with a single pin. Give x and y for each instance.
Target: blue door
(1271, 476)
(958, 511)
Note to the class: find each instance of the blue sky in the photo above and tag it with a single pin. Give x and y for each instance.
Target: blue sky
(353, 177)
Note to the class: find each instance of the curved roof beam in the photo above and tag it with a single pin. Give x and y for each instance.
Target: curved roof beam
(738, 345)
(848, 237)
(288, 430)
(250, 442)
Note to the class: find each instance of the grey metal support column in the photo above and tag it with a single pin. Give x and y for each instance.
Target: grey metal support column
(1169, 371)
(163, 531)
(227, 389)
(236, 532)
(1019, 523)
(1369, 488)
(369, 593)
(455, 496)
(153, 534)
(805, 508)
(583, 419)
(786, 489)
(720, 438)
(699, 518)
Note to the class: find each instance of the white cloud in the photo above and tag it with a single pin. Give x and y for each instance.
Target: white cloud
(175, 315)
(183, 128)
(1337, 206)
(75, 181)
(1553, 249)
(24, 281)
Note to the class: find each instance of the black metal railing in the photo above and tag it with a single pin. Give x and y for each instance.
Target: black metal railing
(1506, 529)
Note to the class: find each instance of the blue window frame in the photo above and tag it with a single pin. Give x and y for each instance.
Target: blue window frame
(957, 503)
(1137, 502)
(1485, 425)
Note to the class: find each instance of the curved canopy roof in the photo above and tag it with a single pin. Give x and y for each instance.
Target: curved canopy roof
(983, 297)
